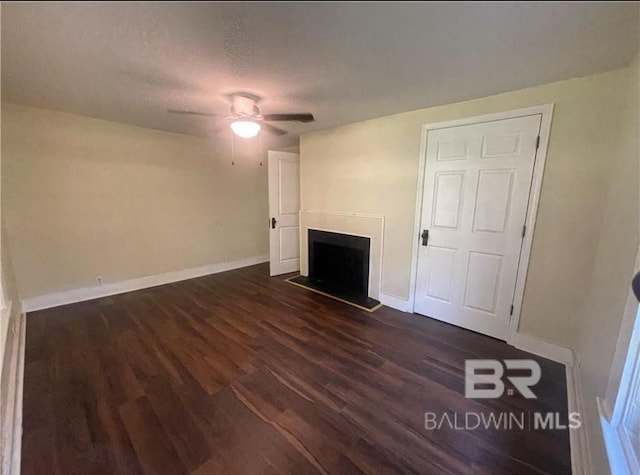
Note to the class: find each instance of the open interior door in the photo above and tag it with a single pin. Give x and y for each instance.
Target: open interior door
(284, 205)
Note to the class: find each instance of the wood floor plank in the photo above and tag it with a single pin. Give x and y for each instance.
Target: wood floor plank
(39, 454)
(153, 449)
(112, 436)
(213, 466)
(73, 440)
(238, 373)
(184, 434)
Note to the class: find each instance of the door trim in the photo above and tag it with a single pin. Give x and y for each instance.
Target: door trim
(546, 111)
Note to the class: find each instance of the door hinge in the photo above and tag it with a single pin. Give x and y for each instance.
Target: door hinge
(511, 312)
(524, 230)
(537, 142)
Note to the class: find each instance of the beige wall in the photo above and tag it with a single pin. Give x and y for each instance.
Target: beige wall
(11, 325)
(85, 197)
(11, 310)
(372, 167)
(619, 237)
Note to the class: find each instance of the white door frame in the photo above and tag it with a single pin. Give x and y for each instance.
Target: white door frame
(626, 364)
(546, 111)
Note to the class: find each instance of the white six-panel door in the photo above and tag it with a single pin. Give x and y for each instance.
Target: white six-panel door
(284, 207)
(475, 199)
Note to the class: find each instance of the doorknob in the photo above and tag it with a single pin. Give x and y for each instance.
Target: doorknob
(273, 223)
(425, 237)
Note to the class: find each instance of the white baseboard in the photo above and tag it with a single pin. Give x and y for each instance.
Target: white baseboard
(394, 302)
(542, 348)
(12, 396)
(580, 464)
(89, 293)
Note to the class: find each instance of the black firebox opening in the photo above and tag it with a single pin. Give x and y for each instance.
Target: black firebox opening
(339, 269)
(339, 264)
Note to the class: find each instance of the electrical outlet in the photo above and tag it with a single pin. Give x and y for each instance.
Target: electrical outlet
(99, 280)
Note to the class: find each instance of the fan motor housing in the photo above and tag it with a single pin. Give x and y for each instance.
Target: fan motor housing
(244, 106)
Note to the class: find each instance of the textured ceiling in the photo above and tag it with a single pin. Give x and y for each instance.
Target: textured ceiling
(344, 62)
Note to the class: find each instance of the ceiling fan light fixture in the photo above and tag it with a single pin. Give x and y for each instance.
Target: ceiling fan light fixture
(245, 128)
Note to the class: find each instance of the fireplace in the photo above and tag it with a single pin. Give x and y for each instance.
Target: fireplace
(339, 266)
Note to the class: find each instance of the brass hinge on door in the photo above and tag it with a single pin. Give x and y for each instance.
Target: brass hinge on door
(511, 312)
(537, 142)
(524, 230)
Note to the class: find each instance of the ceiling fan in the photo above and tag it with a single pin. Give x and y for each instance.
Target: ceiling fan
(246, 119)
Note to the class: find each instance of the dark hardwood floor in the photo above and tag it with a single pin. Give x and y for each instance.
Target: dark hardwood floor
(239, 373)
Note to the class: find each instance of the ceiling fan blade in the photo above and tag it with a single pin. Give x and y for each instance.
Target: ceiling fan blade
(273, 129)
(174, 111)
(303, 117)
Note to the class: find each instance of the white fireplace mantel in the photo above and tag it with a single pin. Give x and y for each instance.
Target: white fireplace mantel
(365, 225)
